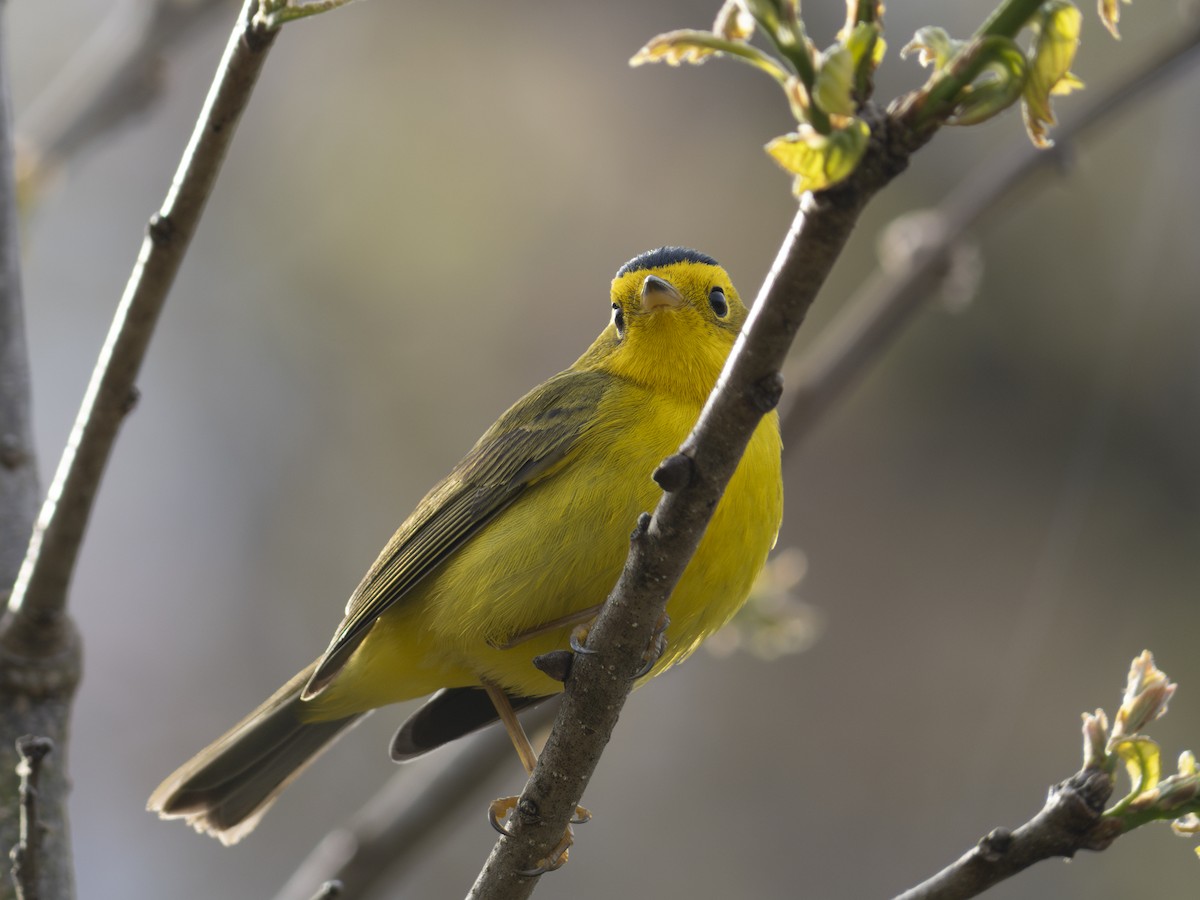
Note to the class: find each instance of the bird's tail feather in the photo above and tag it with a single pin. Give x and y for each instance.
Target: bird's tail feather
(225, 788)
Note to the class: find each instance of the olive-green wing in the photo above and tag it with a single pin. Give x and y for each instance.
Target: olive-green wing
(523, 446)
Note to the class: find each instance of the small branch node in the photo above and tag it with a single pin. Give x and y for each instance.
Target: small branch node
(764, 394)
(675, 472)
(556, 664)
(642, 528)
(160, 229)
(132, 396)
(528, 811)
(995, 844)
(12, 455)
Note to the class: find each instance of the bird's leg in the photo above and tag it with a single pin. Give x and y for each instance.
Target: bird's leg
(504, 807)
(584, 615)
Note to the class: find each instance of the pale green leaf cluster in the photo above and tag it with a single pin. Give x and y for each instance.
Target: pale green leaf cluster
(824, 89)
(975, 79)
(820, 160)
(1151, 796)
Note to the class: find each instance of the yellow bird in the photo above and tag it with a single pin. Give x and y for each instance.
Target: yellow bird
(520, 543)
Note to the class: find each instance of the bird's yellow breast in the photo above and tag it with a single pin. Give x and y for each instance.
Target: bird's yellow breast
(558, 549)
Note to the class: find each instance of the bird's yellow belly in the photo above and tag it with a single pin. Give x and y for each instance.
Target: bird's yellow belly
(541, 561)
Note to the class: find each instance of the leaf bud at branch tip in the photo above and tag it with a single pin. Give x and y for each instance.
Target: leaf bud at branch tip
(1147, 693)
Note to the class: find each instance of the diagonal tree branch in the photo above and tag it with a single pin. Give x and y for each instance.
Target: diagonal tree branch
(1070, 821)
(663, 543)
(366, 848)
(39, 649)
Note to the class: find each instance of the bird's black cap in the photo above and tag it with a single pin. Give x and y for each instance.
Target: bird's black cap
(664, 256)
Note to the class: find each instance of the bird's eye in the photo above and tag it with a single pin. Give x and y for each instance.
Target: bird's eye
(618, 319)
(716, 299)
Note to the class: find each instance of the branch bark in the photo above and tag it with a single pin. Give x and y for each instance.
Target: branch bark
(663, 543)
(1070, 821)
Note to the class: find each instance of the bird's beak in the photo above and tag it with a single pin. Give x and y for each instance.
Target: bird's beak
(657, 292)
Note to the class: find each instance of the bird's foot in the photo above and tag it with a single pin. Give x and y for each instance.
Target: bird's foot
(501, 810)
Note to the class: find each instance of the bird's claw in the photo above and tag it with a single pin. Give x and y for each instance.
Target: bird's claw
(554, 860)
(500, 810)
(654, 650)
(579, 636)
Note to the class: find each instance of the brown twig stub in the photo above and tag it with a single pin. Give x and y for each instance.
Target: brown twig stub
(1071, 820)
(556, 664)
(26, 853)
(675, 472)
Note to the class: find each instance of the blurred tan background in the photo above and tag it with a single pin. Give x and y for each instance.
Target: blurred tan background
(418, 222)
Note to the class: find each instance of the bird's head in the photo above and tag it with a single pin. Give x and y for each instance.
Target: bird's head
(675, 317)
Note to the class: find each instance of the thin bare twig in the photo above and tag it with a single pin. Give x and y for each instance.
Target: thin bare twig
(36, 613)
(1070, 821)
(39, 649)
(866, 324)
(26, 853)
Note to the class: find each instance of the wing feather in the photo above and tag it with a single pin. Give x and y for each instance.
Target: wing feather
(525, 445)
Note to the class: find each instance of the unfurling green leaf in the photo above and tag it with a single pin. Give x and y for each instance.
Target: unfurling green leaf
(999, 81)
(677, 47)
(933, 46)
(1141, 757)
(1056, 29)
(1110, 15)
(834, 87)
(820, 160)
(866, 45)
